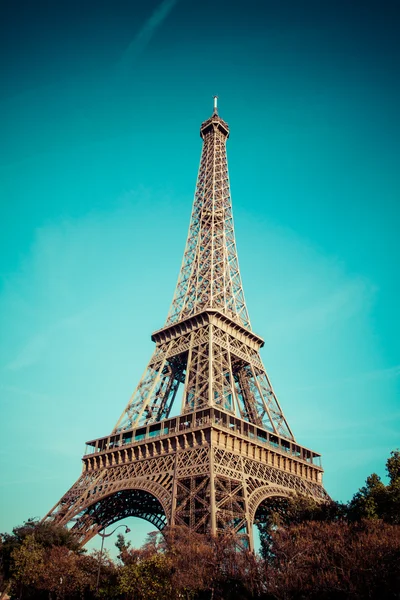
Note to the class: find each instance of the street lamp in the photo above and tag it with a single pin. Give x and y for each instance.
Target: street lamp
(105, 535)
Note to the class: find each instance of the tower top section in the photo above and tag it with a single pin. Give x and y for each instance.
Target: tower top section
(214, 123)
(209, 276)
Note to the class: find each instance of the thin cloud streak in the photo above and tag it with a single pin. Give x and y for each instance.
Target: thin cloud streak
(21, 391)
(341, 304)
(37, 345)
(143, 38)
(29, 480)
(375, 375)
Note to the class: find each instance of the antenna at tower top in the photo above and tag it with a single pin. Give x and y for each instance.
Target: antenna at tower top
(215, 105)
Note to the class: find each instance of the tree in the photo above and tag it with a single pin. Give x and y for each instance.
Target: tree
(370, 501)
(238, 572)
(393, 490)
(28, 566)
(279, 512)
(67, 574)
(328, 560)
(376, 500)
(192, 560)
(43, 560)
(42, 535)
(204, 566)
(147, 579)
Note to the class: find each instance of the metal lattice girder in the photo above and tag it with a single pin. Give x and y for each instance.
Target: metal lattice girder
(217, 365)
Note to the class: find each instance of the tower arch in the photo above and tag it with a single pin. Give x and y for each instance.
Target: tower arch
(142, 499)
(263, 493)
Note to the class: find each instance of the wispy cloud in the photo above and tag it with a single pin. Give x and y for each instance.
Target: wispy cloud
(145, 34)
(31, 352)
(387, 374)
(340, 304)
(13, 389)
(377, 422)
(32, 479)
(377, 374)
(35, 347)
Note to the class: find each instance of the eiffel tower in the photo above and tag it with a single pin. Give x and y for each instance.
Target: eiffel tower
(230, 449)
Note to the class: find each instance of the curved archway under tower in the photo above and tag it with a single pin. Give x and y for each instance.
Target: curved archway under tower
(269, 503)
(116, 507)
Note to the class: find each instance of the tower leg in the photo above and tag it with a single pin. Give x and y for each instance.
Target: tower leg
(213, 508)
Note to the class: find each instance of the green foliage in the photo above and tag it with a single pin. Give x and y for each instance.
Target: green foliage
(376, 500)
(28, 561)
(393, 466)
(393, 489)
(46, 533)
(370, 501)
(147, 579)
(41, 535)
(40, 558)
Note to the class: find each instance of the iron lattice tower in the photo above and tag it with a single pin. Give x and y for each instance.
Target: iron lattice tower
(231, 447)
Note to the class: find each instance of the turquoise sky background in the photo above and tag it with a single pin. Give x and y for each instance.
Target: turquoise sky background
(100, 109)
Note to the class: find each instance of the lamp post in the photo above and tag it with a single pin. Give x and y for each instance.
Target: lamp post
(105, 535)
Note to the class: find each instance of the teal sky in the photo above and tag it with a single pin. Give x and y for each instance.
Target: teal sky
(100, 108)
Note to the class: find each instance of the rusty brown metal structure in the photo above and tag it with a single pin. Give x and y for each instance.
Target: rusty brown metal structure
(230, 448)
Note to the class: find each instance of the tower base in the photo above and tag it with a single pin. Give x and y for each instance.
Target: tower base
(207, 470)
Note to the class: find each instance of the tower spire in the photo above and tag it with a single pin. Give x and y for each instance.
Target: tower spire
(215, 112)
(210, 276)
